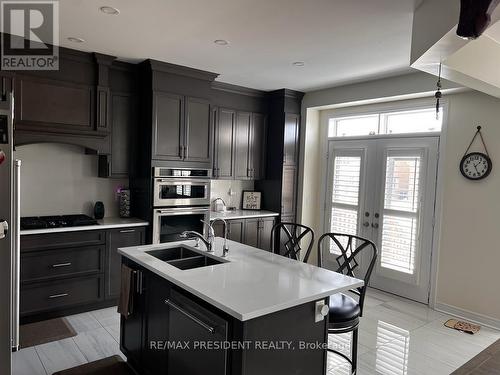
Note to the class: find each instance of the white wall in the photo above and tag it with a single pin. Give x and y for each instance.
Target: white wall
(61, 179)
(468, 253)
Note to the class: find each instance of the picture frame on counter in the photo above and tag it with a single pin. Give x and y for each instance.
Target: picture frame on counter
(251, 200)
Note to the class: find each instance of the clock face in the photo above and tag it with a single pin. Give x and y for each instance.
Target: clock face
(475, 166)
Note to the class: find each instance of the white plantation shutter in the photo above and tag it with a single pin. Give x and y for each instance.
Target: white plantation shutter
(401, 212)
(345, 195)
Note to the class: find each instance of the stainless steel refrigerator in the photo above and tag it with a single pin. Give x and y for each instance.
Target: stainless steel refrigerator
(9, 241)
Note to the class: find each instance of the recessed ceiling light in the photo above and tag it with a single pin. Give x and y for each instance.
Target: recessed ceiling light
(76, 40)
(221, 42)
(299, 63)
(109, 10)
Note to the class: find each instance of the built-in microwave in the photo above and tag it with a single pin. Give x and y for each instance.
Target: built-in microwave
(169, 223)
(181, 187)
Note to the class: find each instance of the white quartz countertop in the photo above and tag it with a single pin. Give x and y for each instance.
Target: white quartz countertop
(106, 223)
(241, 214)
(252, 283)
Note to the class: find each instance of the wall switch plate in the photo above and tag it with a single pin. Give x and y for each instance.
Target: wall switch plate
(322, 310)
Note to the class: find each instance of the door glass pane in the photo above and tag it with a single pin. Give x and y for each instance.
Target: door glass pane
(353, 126)
(401, 183)
(413, 121)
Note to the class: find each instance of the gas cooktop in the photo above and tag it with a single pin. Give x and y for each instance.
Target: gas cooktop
(40, 222)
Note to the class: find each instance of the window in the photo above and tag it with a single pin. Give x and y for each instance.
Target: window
(400, 122)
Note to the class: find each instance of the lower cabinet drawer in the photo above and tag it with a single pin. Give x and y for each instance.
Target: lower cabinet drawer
(51, 295)
(61, 262)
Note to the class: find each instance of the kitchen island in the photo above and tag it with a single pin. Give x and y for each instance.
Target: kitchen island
(252, 312)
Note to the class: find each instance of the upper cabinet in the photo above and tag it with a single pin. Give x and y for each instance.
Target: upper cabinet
(240, 139)
(224, 143)
(182, 128)
(198, 130)
(168, 126)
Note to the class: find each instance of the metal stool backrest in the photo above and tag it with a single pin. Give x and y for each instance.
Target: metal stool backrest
(290, 236)
(351, 249)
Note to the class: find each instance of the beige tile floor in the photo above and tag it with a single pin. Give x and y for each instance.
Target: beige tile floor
(397, 337)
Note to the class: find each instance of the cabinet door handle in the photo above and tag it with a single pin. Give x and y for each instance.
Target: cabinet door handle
(190, 316)
(61, 265)
(127, 231)
(58, 295)
(138, 281)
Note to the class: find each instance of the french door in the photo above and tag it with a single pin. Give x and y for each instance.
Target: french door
(384, 190)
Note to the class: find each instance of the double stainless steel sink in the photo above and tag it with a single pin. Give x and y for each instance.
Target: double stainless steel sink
(184, 258)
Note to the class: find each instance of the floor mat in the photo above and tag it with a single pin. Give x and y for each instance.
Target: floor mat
(485, 363)
(43, 332)
(108, 366)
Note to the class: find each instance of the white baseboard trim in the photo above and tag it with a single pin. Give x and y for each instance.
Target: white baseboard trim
(473, 317)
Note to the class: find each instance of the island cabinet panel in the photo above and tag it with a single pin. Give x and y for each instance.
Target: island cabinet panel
(224, 145)
(198, 130)
(168, 126)
(156, 327)
(190, 322)
(132, 342)
(296, 326)
(115, 239)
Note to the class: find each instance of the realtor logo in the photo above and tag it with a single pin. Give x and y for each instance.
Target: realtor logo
(30, 35)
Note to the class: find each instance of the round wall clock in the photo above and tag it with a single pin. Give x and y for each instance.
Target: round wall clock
(476, 166)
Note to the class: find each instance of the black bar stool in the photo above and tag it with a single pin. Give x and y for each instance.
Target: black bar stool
(344, 253)
(290, 236)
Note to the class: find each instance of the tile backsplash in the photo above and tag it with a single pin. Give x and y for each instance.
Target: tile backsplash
(221, 189)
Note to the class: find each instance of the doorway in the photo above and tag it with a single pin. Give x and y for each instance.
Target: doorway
(384, 189)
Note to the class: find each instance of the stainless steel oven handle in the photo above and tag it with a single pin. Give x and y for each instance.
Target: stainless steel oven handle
(190, 316)
(182, 211)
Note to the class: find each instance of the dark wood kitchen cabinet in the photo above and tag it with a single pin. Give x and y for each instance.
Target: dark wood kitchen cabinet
(131, 328)
(181, 128)
(242, 146)
(50, 105)
(123, 119)
(71, 272)
(224, 143)
(258, 140)
(168, 126)
(188, 321)
(117, 238)
(235, 230)
(289, 194)
(291, 139)
(254, 232)
(199, 121)
(239, 145)
(5, 89)
(258, 232)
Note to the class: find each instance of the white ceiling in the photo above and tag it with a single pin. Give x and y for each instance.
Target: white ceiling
(340, 41)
